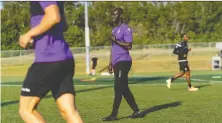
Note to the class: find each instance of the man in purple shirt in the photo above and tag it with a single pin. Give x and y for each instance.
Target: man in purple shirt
(53, 67)
(120, 62)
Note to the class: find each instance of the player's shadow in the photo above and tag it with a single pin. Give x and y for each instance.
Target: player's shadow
(201, 86)
(144, 112)
(198, 86)
(9, 103)
(136, 80)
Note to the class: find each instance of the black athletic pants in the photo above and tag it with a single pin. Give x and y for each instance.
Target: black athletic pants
(121, 70)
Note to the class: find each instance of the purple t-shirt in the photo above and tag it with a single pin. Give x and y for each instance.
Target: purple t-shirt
(50, 46)
(124, 34)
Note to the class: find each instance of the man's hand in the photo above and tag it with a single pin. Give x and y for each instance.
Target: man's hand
(24, 40)
(113, 38)
(189, 49)
(110, 69)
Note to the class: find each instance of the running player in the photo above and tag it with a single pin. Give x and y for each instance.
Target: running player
(54, 65)
(182, 50)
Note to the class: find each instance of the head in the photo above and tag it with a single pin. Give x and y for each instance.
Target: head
(184, 36)
(117, 15)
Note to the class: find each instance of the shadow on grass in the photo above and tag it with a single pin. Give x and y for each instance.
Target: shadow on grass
(198, 86)
(133, 80)
(9, 103)
(144, 112)
(201, 86)
(136, 80)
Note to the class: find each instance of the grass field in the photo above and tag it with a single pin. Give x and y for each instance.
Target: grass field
(147, 82)
(159, 104)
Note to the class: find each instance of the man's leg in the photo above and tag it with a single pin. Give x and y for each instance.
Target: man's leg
(130, 99)
(188, 78)
(63, 92)
(190, 88)
(66, 104)
(117, 94)
(132, 103)
(94, 69)
(33, 89)
(176, 76)
(116, 102)
(126, 90)
(28, 109)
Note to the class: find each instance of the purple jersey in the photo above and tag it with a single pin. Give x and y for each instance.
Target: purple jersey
(124, 34)
(49, 46)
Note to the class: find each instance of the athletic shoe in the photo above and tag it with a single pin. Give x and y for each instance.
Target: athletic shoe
(192, 89)
(168, 83)
(137, 115)
(109, 118)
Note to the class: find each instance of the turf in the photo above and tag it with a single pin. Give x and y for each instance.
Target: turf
(159, 104)
(147, 81)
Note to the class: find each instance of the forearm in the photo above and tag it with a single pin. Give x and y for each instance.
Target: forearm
(46, 23)
(175, 52)
(125, 45)
(110, 57)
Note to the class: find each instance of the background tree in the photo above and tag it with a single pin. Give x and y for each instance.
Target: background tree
(151, 22)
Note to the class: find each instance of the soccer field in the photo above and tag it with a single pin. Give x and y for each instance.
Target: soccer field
(158, 103)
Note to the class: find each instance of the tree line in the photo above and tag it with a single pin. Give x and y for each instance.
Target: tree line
(151, 22)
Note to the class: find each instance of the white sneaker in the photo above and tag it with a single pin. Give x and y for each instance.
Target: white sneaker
(168, 83)
(192, 89)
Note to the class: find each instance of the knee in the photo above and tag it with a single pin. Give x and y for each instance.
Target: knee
(188, 77)
(182, 73)
(24, 112)
(21, 112)
(65, 112)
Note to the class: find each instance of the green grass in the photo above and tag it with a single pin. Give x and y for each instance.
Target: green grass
(161, 105)
(147, 82)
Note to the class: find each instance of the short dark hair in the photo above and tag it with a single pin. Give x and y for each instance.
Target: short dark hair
(119, 10)
(182, 35)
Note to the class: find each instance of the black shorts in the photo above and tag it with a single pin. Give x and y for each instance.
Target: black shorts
(43, 77)
(184, 66)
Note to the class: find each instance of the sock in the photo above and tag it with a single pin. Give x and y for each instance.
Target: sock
(189, 85)
(172, 79)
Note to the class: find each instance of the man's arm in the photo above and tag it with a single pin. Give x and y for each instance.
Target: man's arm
(110, 56)
(50, 18)
(110, 61)
(176, 49)
(128, 38)
(125, 45)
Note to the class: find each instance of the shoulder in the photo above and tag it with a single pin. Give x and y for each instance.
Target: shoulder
(45, 4)
(113, 29)
(179, 44)
(126, 27)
